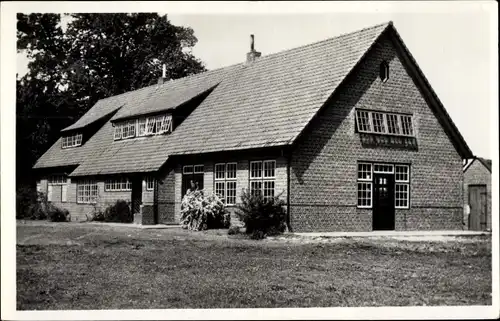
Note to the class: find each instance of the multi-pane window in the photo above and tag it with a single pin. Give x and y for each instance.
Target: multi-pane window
(262, 178)
(384, 123)
(378, 122)
(392, 124)
(72, 140)
(117, 185)
(406, 124)
(365, 177)
(144, 126)
(150, 183)
(57, 180)
(86, 192)
(402, 186)
(225, 182)
(363, 120)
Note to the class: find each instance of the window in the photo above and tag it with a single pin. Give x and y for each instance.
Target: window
(86, 192)
(402, 186)
(406, 124)
(144, 126)
(150, 183)
(117, 185)
(384, 123)
(262, 178)
(401, 183)
(198, 169)
(141, 127)
(363, 121)
(384, 71)
(225, 182)
(72, 141)
(193, 176)
(57, 180)
(392, 124)
(378, 122)
(365, 185)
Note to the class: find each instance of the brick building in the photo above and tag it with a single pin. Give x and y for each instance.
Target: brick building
(347, 131)
(477, 194)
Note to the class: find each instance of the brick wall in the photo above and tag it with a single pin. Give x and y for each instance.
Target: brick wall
(477, 174)
(242, 177)
(80, 212)
(324, 162)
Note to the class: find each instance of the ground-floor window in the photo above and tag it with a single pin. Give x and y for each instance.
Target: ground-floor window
(263, 178)
(117, 185)
(192, 177)
(225, 182)
(86, 192)
(366, 173)
(150, 183)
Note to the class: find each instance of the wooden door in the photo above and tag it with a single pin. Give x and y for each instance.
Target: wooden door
(136, 194)
(478, 207)
(383, 202)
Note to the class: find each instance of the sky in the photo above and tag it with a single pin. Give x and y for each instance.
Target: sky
(452, 48)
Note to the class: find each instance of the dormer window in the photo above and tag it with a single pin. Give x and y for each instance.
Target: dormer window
(374, 122)
(72, 141)
(144, 126)
(384, 71)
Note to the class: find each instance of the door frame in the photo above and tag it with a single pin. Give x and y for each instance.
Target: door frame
(482, 226)
(388, 219)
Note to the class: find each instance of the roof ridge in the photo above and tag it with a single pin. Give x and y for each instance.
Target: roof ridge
(350, 33)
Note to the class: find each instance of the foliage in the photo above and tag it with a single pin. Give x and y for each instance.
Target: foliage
(26, 198)
(56, 214)
(78, 59)
(201, 212)
(119, 212)
(233, 230)
(261, 216)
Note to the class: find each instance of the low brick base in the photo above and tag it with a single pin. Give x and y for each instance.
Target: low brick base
(351, 219)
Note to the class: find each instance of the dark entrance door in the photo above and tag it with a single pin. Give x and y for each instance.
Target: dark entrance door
(383, 202)
(136, 194)
(477, 204)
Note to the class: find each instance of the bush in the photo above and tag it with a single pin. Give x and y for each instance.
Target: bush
(201, 212)
(260, 216)
(56, 214)
(119, 212)
(233, 230)
(26, 200)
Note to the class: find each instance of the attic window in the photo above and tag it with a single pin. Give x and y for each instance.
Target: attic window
(384, 71)
(145, 126)
(72, 141)
(373, 122)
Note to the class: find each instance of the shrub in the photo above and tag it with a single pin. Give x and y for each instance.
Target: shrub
(201, 212)
(56, 214)
(26, 200)
(260, 216)
(119, 212)
(233, 230)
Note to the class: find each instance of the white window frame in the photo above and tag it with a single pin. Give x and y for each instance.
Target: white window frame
(85, 185)
(402, 182)
(70, 141)
(185, 169)
(150, 181)
(225, 181)
(364, 181)
(198, 171)
(116, 185)
(385, 122)
(57, 180)
(263, 179)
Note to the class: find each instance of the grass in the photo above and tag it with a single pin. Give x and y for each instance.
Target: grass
(78, 266)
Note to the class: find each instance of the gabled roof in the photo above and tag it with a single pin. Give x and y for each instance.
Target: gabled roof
(486, 163)
(262, 104)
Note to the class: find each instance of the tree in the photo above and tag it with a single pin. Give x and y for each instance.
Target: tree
(94, 56)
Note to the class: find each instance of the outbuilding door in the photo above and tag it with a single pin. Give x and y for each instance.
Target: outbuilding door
(477, 205)
(383, 202)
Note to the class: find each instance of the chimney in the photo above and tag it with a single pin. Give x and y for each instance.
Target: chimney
(253, 54)
(161, 80)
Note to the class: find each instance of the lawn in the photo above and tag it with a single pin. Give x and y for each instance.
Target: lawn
(79, 266)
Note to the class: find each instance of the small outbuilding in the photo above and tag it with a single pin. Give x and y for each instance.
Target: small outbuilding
(477, 194)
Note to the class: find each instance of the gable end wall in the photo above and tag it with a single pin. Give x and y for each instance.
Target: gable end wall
(323, 187)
